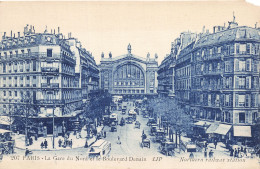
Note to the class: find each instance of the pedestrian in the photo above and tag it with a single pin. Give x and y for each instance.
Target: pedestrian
(70, 143)
(191, 155)
(215, 143)
(45, 143)
(86, 144)
(210, 154)
(242, 150)
(36, 137)
(42, 145)
(245, 151)
(60, 142)
(238, 152)
(206, 144)
(105, 134)
(235, 155)
(27, 152)
(118, 140)
(205, 153)
(231, 152)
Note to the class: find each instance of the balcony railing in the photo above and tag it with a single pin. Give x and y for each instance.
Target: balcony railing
(216, 72)
(50, 101)
(50, 85)
(214, 57)
(50, 69)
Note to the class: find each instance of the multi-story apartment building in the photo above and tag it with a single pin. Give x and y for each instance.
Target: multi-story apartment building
(225, 80)
(129, 75)
(86, 68)
(166, 74)
(183, 69)
(39, 67)
(217, 80)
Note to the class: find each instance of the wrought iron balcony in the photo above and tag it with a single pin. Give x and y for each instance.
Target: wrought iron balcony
(50, 101)
(50, 69)
(50, 85)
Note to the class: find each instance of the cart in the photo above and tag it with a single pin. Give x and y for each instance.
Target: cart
(160, 135)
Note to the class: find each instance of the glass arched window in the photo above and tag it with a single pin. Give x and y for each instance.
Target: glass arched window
(130, 75)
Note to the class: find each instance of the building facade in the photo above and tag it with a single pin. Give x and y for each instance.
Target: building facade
(129, 75)
(166, 74)
(217, 80)
(225, 80)
(39, 69)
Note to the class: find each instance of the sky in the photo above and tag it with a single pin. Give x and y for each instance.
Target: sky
(111, 26)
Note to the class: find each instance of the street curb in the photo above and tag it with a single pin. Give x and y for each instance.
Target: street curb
(57, 149)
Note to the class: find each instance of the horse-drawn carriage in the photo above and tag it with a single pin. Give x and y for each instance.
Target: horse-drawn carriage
(160, 135)
(167, 148)
(145, 141)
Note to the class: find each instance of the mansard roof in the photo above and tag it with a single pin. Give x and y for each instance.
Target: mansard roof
(243, 33)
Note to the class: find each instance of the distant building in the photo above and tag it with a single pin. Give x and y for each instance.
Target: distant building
(40, 67)
(129, 75)
(166, 74)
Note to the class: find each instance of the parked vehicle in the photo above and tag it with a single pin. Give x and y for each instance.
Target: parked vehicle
(191, 147)
(100, 148)
(113, 118)
(167, 148)
(129, 120)
(6, 141)
(137, 124)
(151, 121)
(106, 120)
(160, 135)
(132, 114)
(146, 143)
(153, 129)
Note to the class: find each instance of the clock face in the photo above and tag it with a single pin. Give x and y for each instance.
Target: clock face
(48, 39)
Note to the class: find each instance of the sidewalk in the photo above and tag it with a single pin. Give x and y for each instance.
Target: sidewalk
(76, 142)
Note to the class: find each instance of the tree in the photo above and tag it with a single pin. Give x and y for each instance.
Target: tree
(98, 105)
(179, 120)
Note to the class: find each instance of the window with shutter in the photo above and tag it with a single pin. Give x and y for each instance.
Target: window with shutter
(248, 48)
(230, 100)
(237, 82)
(224, 82)
(236, 65)
(237, 48)
(247, 100)
(248, 65)
(236, 101)
(248, 82)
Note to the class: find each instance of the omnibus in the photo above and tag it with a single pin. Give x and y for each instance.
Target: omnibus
(100, 148)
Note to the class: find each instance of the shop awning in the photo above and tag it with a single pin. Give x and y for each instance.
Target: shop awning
(242, 131)
(2, 131)
(212, 128)
(223, 129)
(5, 120)
(202, 123)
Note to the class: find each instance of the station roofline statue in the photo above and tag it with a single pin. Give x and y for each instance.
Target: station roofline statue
(129, 48)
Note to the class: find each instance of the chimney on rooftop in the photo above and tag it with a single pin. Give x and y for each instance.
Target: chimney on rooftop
(18, 34)
(58, 30)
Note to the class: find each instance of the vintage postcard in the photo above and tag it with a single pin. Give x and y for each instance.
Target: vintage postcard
(129, 85)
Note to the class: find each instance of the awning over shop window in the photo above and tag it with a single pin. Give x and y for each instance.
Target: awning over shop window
(202, 123)
(5, 120)
(212, 128)
(2, 131)
(242, 131)
(222, 129)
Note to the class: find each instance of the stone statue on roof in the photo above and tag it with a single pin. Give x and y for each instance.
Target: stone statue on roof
(110, 55)
(102, 55)
(129, 48)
